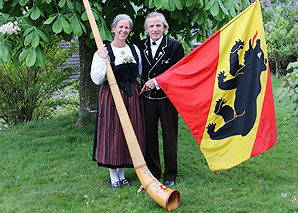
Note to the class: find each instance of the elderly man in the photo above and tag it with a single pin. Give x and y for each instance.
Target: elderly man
(159, 53)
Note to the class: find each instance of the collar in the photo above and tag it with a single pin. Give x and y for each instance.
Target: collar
(157, 42)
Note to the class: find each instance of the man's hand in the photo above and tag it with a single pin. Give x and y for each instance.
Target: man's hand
(149, 85)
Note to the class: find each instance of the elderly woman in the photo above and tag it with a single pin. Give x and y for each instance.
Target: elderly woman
(110, 149)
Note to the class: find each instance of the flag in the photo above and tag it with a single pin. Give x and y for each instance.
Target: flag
(223, 92)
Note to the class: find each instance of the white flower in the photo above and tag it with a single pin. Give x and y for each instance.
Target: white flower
(10, 28)
(294, 200)
(283, 194)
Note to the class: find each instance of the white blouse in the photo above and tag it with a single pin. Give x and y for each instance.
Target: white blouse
(98, 66)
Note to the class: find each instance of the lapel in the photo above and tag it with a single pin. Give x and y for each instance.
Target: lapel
(147, 51)
(161, 50)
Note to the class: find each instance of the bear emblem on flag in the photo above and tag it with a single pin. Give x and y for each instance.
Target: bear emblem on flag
(245, 80)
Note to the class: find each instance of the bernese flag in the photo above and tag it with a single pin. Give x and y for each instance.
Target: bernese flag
(223, 92)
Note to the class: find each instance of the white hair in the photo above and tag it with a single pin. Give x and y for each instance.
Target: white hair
(119, 18)
(163, 19)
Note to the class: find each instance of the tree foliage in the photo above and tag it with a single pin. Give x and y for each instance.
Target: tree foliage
(40, 19)
(281, 26)
(193, 19)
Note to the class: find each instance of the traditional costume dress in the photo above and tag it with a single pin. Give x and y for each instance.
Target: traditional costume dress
(110, 148)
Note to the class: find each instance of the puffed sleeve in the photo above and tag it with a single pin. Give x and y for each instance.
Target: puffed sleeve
(98, 69)
(140, 60)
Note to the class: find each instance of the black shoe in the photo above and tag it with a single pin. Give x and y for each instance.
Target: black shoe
(125, 182)
(169, 183)
(116, 185)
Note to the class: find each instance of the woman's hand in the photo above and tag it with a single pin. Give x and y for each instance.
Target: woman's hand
(103, 52)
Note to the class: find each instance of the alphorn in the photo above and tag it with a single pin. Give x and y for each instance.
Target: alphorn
(166, 197)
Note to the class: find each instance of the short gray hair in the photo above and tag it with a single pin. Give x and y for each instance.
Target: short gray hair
(163, 19)
(121, 17)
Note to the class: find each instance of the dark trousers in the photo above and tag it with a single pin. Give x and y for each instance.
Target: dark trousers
(164, 111)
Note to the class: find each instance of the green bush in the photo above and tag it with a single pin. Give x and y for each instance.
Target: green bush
(25, 92)
(281, 35)
(284, 61)
(65, 100)
(289, 90)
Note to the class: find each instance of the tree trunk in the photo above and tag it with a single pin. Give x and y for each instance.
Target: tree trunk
(88, 90)
(277, 65)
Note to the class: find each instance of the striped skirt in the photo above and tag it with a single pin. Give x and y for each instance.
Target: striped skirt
(110, 148)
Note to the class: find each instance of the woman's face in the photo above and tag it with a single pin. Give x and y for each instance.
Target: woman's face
(122, 30)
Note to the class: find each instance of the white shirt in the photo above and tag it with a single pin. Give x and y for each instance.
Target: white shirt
(99, 68)
(153, 51)
(155, 47)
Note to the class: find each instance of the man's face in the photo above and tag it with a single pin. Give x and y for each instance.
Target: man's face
(155, 28)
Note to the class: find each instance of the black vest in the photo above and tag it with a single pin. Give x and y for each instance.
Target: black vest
(125, 74)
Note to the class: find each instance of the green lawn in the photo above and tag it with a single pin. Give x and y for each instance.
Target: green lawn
(46, 167)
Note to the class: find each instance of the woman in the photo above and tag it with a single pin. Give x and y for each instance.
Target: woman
(110, 149)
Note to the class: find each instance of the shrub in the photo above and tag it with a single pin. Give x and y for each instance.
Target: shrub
(26, 91)
(281, 35)
(289, 90)
(65, 100)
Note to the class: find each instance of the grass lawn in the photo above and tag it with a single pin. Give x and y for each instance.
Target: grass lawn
(46, 167)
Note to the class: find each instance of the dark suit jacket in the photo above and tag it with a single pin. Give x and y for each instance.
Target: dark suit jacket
(168, 53)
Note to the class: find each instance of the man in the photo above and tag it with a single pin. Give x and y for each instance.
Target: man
(159, 53)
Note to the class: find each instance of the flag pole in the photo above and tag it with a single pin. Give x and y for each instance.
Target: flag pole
(166, 197)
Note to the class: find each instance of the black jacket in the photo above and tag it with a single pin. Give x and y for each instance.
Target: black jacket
(168, 53)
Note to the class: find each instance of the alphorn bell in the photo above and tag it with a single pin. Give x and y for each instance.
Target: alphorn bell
(166, 197)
